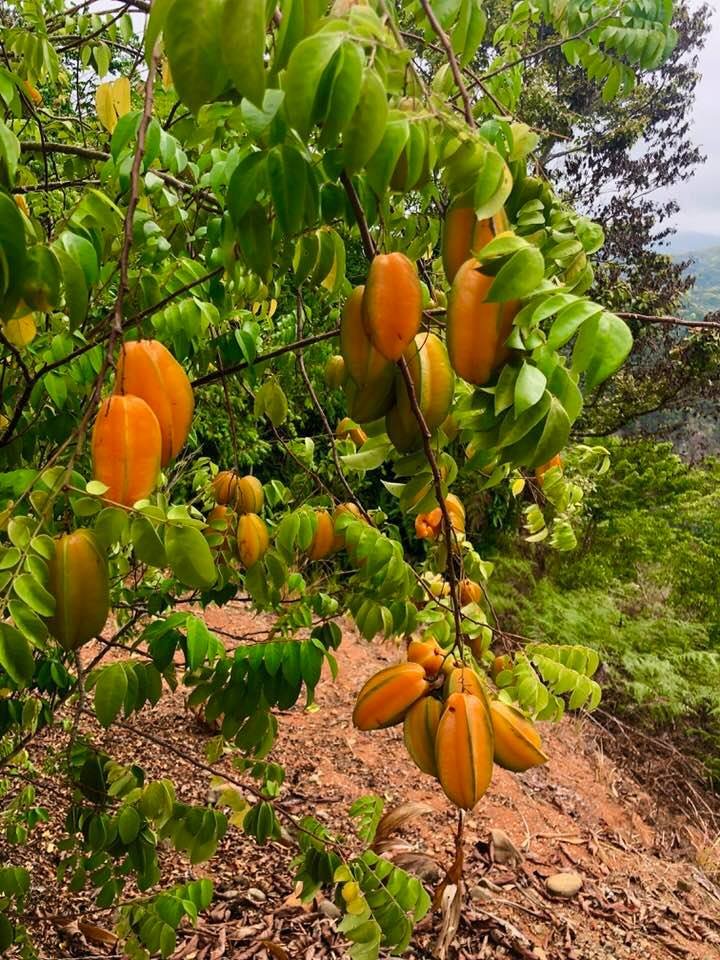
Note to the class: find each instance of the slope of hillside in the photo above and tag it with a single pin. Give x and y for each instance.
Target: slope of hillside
(705, 296)
(646, 869)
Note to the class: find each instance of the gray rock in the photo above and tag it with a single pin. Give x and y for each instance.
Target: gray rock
(564, 884)
(328, 909)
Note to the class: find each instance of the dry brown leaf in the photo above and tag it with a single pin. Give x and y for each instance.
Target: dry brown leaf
(276, 949)
(419, 864)
(397, 817)
(187, 949)
(97, 934)
(503, 850)
(451, 909)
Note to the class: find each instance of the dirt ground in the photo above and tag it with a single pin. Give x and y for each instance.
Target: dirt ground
(649, 875)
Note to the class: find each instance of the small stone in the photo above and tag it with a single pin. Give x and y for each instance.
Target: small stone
(256, 896)
(328, 909)
(564, 884)
(481, 894)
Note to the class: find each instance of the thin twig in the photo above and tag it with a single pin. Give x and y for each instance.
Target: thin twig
(116, 323)
(127, 324)
(452, 59)
(264, 357)
(72, 149)
(671, 321)
(369, 248)
(215, 771)
(319, 407)
(448, 528)
(549, 46)
(56, 185)
(367, 240)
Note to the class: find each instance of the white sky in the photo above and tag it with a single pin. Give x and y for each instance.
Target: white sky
(699, 198)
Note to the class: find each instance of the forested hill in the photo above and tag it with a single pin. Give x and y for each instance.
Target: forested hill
(705, 296)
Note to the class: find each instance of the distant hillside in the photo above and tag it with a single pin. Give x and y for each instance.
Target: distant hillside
(685, 242)
(705, 295)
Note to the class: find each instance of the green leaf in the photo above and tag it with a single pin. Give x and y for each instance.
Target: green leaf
(555, 435)
(198, 642)
(242, 42)
(12, 254)
(287, 176)
(373, 454)
(271, 401)
(128, 824)
(74, 288)
(9, 155)
(505, 388)
(192, 43)
(383, 162)
(601, 348)
(254, 237)
(563, 386)
(366, 129)
(529, 387)
(146, 543)
(492, 186)
(110, 690)
(190, 557)
(306, 255)
(34, 594)
(258, 119)
(27, 622)
(569, 320)
(518, 277)
(16, 657)
(110, 526)
(7, 933)
(245, 185)
(514, 429)
(155, 24)
(307, 64)
(344, 94)
(83, 253)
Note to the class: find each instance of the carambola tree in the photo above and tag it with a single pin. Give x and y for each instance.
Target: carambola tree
(289, 211)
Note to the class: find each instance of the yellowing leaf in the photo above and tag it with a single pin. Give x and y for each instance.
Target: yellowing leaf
(105, 106)
(33, 93)
(272, 308)
(518, 486)
(20, 331)
(22, 204)
(167, 80)
(121, 96)
(112, 101)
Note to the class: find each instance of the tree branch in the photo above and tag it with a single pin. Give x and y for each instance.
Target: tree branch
(369, 248)
(116, 323)
(448, 529)
(56, 185)
(671, 321)
(454, 65)
(127, 324)
(75, 150)
(270, 355)
(549, 46)
(300, 306)
(367, 240)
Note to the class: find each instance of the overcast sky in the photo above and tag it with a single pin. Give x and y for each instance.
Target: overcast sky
(699, 198)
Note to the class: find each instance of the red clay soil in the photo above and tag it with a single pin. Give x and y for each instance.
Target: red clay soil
(649, 890)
